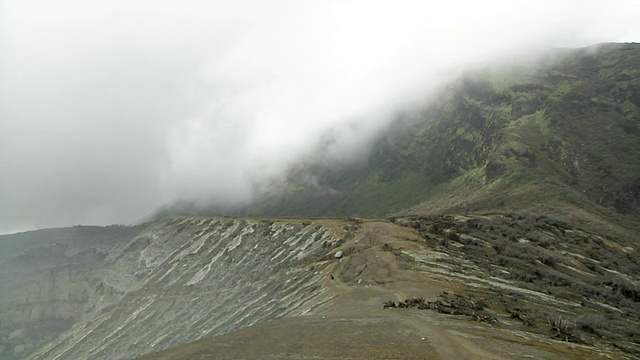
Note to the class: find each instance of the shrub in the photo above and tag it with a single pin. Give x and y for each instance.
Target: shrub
(563, 329)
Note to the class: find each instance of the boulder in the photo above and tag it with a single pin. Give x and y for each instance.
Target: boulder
(18, 350)
(17, 336)
(339, 254)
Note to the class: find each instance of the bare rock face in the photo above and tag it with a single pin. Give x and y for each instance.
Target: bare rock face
(122, 292)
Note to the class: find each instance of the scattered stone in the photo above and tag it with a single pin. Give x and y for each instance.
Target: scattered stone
(414, 302)
(388, 304)
(339, 254)
(452, 304)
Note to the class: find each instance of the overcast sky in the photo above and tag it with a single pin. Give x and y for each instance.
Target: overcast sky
(109, 109)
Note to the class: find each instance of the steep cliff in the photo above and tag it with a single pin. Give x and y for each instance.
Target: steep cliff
(52, 279)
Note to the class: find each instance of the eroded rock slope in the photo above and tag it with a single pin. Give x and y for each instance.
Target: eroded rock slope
(462, 286)
(173, 282)
(493, 286)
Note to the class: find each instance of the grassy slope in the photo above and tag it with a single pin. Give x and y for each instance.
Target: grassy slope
(571, 145)
(561, 137)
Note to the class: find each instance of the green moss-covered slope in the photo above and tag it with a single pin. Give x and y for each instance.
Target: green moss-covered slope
(560, 136)
(563, 132)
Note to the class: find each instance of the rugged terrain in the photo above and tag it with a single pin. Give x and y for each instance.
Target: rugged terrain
(502, 221)
(526, 306)
(495, 286)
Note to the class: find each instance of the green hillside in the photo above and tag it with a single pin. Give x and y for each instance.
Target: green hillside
(561, 134)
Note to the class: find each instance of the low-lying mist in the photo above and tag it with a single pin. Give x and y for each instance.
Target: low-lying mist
(110, 110)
